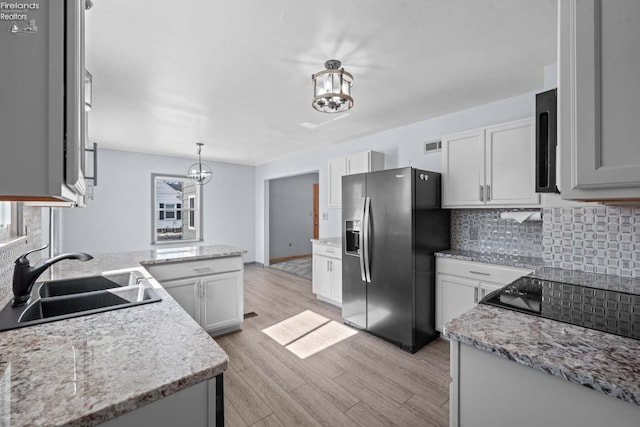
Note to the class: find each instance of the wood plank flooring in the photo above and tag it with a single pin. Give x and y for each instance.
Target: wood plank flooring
(360, 381)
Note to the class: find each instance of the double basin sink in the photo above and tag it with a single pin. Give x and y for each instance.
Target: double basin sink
(63, 299)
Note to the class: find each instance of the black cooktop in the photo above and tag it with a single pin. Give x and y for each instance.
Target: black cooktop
(610, 311)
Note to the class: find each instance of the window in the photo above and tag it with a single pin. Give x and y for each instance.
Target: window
(5, 220)
(175, 198)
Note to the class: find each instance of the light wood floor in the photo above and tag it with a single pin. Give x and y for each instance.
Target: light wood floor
(361, 381)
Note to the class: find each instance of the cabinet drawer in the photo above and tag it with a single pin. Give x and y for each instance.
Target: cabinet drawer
(330, 251)
(480, 271)
(204, 267)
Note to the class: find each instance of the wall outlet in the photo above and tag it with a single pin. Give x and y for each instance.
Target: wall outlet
(325, 216)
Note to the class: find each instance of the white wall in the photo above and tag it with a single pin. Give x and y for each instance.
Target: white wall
(402, 147)
(119, 217)
(291, 215)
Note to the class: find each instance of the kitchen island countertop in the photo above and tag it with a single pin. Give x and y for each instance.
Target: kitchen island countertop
(604, 362)
(89, 369)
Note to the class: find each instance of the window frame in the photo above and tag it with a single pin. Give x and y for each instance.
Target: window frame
(179, 210)
(191, 213)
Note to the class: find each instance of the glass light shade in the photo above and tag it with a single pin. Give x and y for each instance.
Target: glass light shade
(199, 173)
(332, 91)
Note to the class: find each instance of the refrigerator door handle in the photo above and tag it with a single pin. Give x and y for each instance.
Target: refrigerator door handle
(361, 242)
(367, 236)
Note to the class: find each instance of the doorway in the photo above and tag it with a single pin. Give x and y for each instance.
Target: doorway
(294, 220)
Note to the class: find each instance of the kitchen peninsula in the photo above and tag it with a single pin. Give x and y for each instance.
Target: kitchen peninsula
(540, 371)
(93, 369)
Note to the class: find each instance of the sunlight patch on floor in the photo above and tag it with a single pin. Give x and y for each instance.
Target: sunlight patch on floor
(295, 327)
(307, 333)
(323, 337)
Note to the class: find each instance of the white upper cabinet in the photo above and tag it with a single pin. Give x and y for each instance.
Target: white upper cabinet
(463, 167)
(510, 164)
(599, 99)
(367, 161)
(337, 169)
(493, 166)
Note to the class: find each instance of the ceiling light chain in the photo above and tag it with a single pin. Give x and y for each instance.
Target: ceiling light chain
(199, 172)
(332, 88)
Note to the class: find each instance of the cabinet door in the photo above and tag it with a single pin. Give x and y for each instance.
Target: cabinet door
(599, 99)
(463, 173)
(336, 280)
(222, 301)
(455, 296)
(321, 284)
(487, 288)
(186, 293)
(359, 163)
(510, 164)
(337, 168)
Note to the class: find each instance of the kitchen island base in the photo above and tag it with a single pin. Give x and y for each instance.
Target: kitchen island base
(488, 390)
(198, 405)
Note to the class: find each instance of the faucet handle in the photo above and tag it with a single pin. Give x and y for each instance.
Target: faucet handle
(23, 258)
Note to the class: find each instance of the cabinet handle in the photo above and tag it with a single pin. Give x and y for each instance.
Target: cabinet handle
(479, 272)
(329, 251)
(475, 295)
(94, 150)
(483, 293)
(482, 193)
(488, 193)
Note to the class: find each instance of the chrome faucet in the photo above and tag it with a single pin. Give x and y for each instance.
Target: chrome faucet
(24, 275)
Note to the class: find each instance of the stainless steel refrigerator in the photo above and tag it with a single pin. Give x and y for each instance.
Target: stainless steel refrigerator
(392, 224)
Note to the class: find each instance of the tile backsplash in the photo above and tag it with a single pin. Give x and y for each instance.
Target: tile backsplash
(600, 239)
(595, 239)
(482, 230)
(9, 253)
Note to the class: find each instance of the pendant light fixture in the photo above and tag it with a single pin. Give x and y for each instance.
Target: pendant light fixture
(332, 88)
(199, 172)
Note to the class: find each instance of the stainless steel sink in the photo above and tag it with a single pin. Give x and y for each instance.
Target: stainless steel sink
(88, 284)
(63, 299)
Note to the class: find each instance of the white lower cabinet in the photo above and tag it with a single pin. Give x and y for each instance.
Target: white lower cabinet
(197, 405)
(187, 293)
(327, 273)
(222, 302)
(454, 296)
(213, 294)
(488, 390)
(460, 285)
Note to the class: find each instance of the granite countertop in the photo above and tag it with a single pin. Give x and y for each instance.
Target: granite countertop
(490, 258)
(604, 362)
(89, 369)
(329, 241)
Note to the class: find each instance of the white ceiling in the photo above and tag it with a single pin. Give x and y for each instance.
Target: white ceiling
(236, 74)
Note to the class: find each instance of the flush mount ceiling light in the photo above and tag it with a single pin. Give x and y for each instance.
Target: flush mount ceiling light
(332, 88)
(199, 172)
